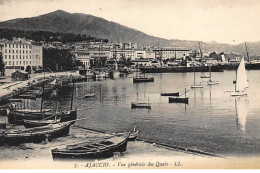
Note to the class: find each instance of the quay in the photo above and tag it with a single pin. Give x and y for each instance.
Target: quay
(12, 89)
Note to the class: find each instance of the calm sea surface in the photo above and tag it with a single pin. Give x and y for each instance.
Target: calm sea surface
(213, 121)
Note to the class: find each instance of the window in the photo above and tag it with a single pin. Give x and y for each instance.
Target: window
(13, 51)
(26, 51)
(9, 46)
(16, 56)
(23, 56)
(5, 56)
(20, 62)
(23, 46)
(9, 51)
(13, 56)
(30, 62)
(9, 56)
(10, 63)
(5, 51)
(16, 45)
(16, 51)
(20, 47)
(23, 62)
(16, 62)
(20, 56)
(30, 56)
(26, 57)
(23, 51)
(20, 50)
(26, 62)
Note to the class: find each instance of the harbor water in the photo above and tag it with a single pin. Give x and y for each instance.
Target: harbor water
(213, 121)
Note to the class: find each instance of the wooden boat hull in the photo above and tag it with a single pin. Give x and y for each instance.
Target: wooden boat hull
(238, 94)
(39, 123)
(133, 136)
(170, 94)
(141, 80)
(141, 105)
(89, 95)
(18, 118)
(204, 77)
(196, 86)
(178, 100)
(35, 135)
(60, 154)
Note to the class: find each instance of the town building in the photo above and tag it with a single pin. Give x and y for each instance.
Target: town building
(84, 57)
(20, 53)
(176, 53)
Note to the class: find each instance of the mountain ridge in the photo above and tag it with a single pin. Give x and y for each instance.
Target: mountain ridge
(86, 24)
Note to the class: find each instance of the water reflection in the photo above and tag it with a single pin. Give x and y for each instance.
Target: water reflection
(241, 105)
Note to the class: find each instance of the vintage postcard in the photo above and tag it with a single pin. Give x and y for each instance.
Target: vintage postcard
(120, 84)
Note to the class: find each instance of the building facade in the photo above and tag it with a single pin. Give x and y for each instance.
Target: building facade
(176, 53)
(20, 53)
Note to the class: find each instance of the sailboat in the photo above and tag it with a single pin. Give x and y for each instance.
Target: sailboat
(210, 82)
(241, 80)
(140, 79)
(194, 85)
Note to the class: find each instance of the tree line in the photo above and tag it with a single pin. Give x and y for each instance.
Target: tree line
(47, 36)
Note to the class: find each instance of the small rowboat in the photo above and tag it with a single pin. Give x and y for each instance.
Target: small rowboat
(90, 95)
(102, 148)
(141, 105)
(178, 100)
(142, 79)
(170, 94)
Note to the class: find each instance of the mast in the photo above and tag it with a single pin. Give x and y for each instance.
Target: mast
(210, 73)
(194, 76)
(200, 49)
(71, 102)
(42, 97)
(247, 54)
(159, 53)
(236, 82)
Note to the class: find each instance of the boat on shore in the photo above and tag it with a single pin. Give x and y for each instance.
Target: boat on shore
(133, 134)
(140, 105)
(16, 117)
(38, 123)
(34, 135)
(170, 94)
(102, 148)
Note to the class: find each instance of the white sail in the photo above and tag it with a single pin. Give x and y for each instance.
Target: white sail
(241, 81)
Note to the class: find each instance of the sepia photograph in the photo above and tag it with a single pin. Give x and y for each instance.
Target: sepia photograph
(129, 84)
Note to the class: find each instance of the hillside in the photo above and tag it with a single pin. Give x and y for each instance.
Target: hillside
(77, 23)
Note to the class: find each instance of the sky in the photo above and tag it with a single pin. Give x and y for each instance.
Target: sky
(223, 21)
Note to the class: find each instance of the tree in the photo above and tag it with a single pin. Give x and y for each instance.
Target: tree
(28, 69)
(213, 55)
(2, 65)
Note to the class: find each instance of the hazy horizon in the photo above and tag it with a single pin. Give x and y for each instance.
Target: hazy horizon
(224, 21)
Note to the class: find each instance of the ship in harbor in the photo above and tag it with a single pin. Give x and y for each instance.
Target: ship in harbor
(181, 69)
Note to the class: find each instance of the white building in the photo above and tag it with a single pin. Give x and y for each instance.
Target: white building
(20, 53)
(84, 57)
(172, 53)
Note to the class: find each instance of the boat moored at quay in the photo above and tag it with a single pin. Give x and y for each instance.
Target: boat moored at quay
(181, 69)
